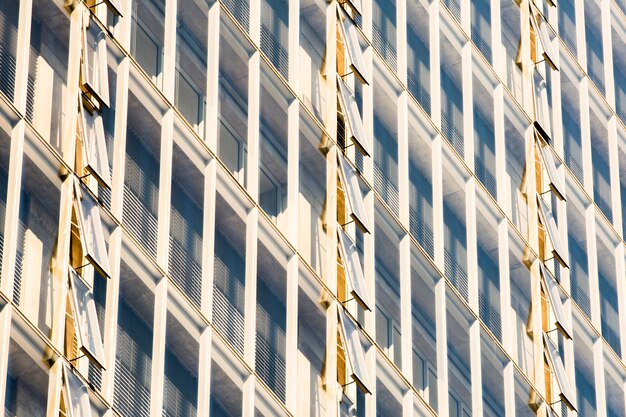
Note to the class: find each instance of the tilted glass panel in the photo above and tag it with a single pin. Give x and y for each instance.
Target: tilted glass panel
(76, 395)
(354, 271)
(351, 41)
(540, 27)
(354, 350)
(555, 182)
(95, 157)
(552, 230)
(551, 289)
(352, 190)
(552, 355)
(115, 6)
(92, 233)
(352, 114)
(542, 109)
(86, 320)
(94, 68)
(355, 5)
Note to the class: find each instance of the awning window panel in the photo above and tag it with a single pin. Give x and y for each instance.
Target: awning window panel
(351, 41)
(542, 109)
(354, 271)
(75, 394)
(95, 156)
(540, 27)
(552, 291)
(94, 68)
(548, 162)
(353, 117)
(549, 224)
(352, 190)
(91, 231)
(355, 356)
(86, 320)
(556, 364)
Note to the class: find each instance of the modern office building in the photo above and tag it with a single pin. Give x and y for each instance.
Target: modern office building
(371, 208)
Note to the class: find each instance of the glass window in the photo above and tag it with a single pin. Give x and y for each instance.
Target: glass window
(556, 364)
(493, 363)
(352, 192)
(147, 36)
(552, 230)
(180, 385)
(594, 44)
(186, 224)
(313, 237)
(94, 68)
(76, 395)
(229, 269)
(312, 57)
(515, 150)
(94, 147)
(133, 354)
(353, 350)
(191, 62)
(226, 387)
(115, 6)
(541, 107)
(551, 290)
(353, 117)
(384, 31)
(91, 230)
(46, 105)
(418, 53)
(606, 247)
(554, 180)
(141, 175)
(86, 319)
(451, 94)
(481, 26)
(484, 131)
(511, 35)
(577, 245)
(232, 139)
(458, 322)
(353, 270)
(351, 42)
(271, 312)
(9, 18)
(540, 27)
(275, 33)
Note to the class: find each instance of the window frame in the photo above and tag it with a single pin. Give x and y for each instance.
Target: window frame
(354, 198)
(355, 5)
(552, 291)
(541, 107)
(558, 369)
(352, 45)
(353, 116)
(552, 230)
(86, 324)
(353, 350)
(353, 269)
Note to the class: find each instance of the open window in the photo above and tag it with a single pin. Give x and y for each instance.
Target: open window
(94, 67)
(93, 143)
(75, 395)
(551, 229)
(552, 291)
(115, 6)
(352, 191)
(547, 160)
(556, 364)
(353, 117)
(352, 45)
(355, 5)
(86, 320)
(91, 230)
(353, 269)
(541, 107)
(540, 28)
(353, 350)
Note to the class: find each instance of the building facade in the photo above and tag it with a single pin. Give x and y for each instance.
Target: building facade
(370, 208)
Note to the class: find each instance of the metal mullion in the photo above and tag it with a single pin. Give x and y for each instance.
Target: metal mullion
(250, 310)
(5, 342)
(467, 65)
(169, 50)
(598, 376)
(291, 347)
(204, 372)
(592, 255)
(165, 188)
(442, 345)
(406, 316)
(472, 244)
(157, 377)
(476, 369)
(212, 87)
(208, 239)
(401, 41)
